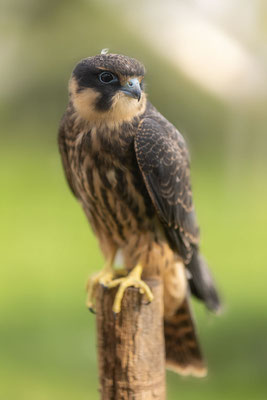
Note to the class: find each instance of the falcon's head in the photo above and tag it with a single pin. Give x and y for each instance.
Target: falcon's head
(108, 87)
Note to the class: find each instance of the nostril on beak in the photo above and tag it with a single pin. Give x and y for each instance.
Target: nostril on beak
(132, 88)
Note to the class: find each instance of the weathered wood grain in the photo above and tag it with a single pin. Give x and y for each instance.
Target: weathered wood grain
(131, 350)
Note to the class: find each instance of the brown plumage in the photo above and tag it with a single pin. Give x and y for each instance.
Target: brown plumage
(128, 167)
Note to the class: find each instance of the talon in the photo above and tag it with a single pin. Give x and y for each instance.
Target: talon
(105, 278)
(102, 277)
(115, 314)
(92, 310)
(147, 303)
(103, 284)
(133, 279)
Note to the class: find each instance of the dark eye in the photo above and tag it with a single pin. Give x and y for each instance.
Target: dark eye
(107, 77)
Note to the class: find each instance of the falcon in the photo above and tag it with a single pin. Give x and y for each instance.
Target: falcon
(128, 166)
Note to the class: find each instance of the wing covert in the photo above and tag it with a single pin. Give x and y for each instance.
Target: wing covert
(163, 159)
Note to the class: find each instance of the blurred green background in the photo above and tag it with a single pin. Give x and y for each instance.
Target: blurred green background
(206, 66)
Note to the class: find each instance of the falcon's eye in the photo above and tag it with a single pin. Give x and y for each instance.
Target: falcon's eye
(107, 77)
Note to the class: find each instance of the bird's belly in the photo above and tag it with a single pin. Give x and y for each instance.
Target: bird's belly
(121, 213)
(115, 203)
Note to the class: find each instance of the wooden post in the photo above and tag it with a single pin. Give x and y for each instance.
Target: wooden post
(131, 350)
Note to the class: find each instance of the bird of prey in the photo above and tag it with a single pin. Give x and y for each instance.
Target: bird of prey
(129, 168)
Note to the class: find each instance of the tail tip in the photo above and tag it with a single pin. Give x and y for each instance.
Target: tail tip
(198, 371)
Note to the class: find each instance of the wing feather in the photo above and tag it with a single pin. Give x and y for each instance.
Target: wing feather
(163, 159)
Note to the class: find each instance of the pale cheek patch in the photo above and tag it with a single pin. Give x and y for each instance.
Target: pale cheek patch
(84, 102)
(123, 109)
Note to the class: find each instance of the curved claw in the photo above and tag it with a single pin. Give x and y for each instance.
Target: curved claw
(103, 278)
(133, 279)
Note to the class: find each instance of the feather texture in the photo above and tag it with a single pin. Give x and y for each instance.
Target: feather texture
(163, 159)
(183, 353)
(129, 168)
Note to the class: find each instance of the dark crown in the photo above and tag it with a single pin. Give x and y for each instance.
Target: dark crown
(117, 63)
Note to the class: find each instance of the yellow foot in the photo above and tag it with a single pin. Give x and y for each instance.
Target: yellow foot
(105, 275)
(133, 279)
(104, 278)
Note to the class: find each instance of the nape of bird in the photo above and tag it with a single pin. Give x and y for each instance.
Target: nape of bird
(129, 168)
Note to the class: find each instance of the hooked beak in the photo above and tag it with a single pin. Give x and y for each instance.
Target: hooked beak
(132, 88)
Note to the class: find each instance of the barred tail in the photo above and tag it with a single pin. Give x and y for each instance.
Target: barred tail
(183, 353)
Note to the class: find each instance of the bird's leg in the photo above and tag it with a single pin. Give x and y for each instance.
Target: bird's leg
(133, 279)
(104, 277)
